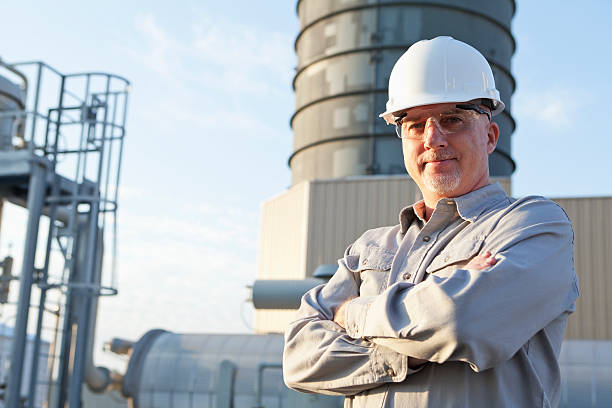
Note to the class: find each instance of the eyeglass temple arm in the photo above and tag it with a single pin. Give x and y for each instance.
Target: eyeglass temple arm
(476, 108)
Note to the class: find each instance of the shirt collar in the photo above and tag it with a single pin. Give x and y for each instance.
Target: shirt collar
(406, 217)
(469, 206)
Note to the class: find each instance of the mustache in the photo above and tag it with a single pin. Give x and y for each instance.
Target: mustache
(437, 156)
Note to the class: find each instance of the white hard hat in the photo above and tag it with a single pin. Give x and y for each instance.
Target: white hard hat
(440, 70)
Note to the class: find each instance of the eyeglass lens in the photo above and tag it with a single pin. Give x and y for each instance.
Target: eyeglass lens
(446, 122)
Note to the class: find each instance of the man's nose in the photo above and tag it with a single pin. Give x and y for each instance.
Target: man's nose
(433, 136)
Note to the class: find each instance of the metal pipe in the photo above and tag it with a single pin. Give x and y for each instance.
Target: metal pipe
(36, 101)
(36, 196)
(41, 303)
(43, 288)
(119, 346)
(281, 294)
(97, 378)
(67, 334)
(259, 381)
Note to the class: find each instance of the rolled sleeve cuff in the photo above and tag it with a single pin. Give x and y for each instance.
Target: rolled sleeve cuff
(356, 312)
(390, 366)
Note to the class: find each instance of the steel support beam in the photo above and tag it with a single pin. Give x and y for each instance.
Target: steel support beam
(36, 197)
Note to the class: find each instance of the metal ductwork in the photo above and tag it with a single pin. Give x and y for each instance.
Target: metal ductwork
(346, 50)
(281, 293)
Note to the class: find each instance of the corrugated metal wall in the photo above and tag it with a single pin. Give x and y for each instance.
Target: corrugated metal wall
(342, 210)
(592, 221)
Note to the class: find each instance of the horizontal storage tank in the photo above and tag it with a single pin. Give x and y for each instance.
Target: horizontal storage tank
(346, 50)
(170, 370)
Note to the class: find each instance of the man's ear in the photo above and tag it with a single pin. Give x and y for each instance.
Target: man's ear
(492, 137)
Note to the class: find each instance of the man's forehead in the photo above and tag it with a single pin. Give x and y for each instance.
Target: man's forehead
(434, 108)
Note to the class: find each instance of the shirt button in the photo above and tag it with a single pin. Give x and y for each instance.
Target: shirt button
(365, 261)
(406, 276)
(426, 238)
(446, 258)
(390, 372)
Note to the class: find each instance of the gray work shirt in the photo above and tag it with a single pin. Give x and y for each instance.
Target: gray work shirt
(491, 336)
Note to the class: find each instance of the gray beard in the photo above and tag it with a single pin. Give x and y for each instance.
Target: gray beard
(443, 184)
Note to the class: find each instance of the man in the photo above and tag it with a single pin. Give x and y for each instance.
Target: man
(464, 303)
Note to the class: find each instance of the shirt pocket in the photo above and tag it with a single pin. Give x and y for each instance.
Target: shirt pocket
(455, 255)
(373, 266)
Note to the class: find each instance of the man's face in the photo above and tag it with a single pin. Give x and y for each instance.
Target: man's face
(450, 158)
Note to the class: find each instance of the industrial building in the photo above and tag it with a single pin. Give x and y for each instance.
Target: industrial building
(347, 176)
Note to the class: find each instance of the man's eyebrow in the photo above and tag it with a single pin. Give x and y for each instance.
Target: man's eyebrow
(419, 116)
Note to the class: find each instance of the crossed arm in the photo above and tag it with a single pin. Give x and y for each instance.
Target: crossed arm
(478, 263)
(321, 357)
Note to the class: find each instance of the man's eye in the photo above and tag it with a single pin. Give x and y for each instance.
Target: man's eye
(416, 125)
(452, 119)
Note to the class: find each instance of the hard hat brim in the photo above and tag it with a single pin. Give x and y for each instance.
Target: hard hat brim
(390, 114)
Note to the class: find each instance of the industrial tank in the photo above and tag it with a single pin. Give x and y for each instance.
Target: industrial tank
(12, 98)
(346, 50)
(172, 370)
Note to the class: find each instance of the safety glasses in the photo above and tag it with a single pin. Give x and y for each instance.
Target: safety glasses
(449, 122)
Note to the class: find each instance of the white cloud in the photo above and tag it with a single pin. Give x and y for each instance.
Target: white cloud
(219, 69)
(243, 48)
(161, 45)
(131, 192)
(228, 227)
(218, 120)
(553, 107)
(220, 54)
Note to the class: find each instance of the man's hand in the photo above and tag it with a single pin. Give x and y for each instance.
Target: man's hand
(481, 262)
(340, 315)
(414, 363)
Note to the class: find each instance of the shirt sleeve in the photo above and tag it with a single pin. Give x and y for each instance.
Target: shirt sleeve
(320, 357)
(481, 317)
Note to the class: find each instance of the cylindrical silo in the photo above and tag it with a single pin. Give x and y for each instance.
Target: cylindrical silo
(346, 49)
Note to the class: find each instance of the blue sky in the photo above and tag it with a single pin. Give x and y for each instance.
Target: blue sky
(208, 135)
